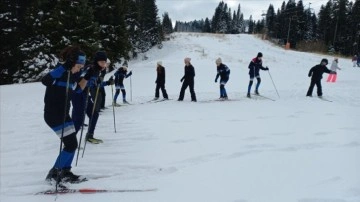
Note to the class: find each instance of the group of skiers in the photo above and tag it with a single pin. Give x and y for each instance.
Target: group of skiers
(83, 85)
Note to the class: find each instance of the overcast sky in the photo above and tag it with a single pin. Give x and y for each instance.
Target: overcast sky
(189, 10)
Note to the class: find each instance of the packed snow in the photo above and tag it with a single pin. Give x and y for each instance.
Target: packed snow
(293, 149)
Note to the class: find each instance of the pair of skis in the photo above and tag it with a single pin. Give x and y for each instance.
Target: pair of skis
(90, 191)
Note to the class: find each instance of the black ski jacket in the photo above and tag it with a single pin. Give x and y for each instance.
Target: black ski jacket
(317, 71)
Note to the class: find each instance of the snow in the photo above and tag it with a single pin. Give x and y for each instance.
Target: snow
(294, 149)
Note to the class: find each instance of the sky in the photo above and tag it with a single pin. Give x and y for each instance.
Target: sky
(189, 10)
(293, 149)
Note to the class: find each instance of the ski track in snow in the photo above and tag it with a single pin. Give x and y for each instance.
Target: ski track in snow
(296, 149)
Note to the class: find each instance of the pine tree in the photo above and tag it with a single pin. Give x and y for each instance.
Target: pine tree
(12, 22)
(167, 24)
(72, 23)
(207, 27)
(354, 23)
(270, 21)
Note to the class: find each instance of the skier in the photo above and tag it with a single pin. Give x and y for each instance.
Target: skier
(160, 81)
(333, 68)
(354, 60)
(120, 75)
(254, 68)
(188, 80)
(358, 61)
(59, 86)
(316, 73)
(224, 72)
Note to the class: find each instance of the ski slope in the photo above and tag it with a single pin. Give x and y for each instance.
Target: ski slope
(294, 149)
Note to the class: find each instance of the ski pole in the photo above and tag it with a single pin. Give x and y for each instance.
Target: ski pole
(92, 113)
(112, 97)
(273, 83)
(130, 89)
(63, 127)
(82, 125)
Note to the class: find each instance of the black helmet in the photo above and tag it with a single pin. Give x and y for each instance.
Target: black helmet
(324, 61)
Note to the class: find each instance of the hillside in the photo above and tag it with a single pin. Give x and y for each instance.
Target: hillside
(294, 149)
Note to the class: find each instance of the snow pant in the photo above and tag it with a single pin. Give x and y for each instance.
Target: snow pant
(331, 78)
(66, 131)
(80, 106)
(223, 93)
(311, 88)
(117, 93)
(190, 84)
(163, 90)
(251, 83)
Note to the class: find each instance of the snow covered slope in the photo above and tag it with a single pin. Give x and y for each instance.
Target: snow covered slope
(294, 149)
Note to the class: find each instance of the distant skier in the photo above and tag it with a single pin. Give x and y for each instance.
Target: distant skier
(254, 68)
(316, 73)
(160, 81)
(59, 86)
(120, 75)
(358, 61)
(188, 80)
(223, 72)
(354, 60)
(333, 68)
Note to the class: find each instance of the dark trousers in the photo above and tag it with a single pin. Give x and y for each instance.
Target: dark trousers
(103, 97)
(185, 84)
(78, 110)
(163, 90)
(311, 88)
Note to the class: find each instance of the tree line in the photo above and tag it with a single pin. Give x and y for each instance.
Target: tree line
(335, 29)
(33, 32)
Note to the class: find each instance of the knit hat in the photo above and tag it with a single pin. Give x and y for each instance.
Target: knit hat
(259, 55)
(100, 56)
(159, 63)
(218, 61)
(187, 59)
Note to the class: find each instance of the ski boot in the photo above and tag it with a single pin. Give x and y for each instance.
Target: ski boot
(90, 138)
(66, 176)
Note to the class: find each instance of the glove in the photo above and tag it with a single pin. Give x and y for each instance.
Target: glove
(110, 81)
(182, 79)
(215, 80)
(267, 68)
(91, 72)
(57, 72)
(129, 74)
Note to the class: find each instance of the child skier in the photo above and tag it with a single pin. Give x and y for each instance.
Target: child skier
(59, 86)
(316, 73)
(120, 75)
(188, 79)
(160, 81)
(254, 68)
(88, 101)
(333, 68)
(224, 72)
(354, 60)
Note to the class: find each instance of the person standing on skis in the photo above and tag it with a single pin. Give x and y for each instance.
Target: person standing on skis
(188, 81)
(316, 73)
(89, 100)
(333, 68)
(120, 75)
(254, 68)
(60, 83)
(160, 81)
(223, 72)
